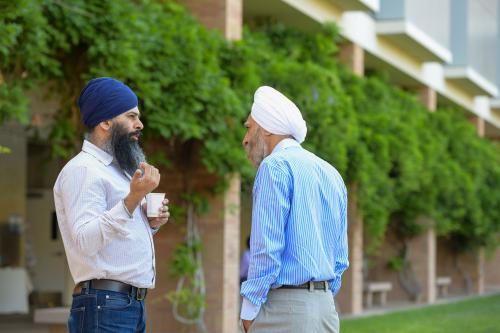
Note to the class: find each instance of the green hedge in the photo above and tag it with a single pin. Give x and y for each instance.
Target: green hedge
(196, 87)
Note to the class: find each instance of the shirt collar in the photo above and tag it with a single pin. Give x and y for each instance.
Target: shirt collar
(97, 152)
(285, 143)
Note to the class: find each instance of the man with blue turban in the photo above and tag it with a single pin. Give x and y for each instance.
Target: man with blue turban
(108, 241)
(298, 241)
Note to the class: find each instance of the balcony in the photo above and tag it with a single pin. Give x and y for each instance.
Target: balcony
(413, 40)
(358, 5)
(470, 80)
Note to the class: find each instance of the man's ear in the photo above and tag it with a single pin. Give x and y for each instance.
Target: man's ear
(105, 125)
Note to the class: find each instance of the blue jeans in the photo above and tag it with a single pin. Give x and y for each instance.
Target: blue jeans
(106, 311)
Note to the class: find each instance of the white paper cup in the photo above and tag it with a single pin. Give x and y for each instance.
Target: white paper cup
(154, 202)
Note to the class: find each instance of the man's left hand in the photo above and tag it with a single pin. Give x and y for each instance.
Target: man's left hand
(247, 324)
(156, 222)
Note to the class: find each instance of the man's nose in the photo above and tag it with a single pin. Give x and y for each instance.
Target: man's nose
(139, 125)
(245, 139)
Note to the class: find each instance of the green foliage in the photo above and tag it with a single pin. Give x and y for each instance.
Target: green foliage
(190, 304)
(196, 87)
(13, 103)
(168, 58)
(189, 297)
(25, 55)
(397, 263)
(5, 150)
(405, 161)
(183, 262)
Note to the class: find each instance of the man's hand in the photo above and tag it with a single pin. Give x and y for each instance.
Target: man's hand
(247, 324)
(156, 222)
(141, 184)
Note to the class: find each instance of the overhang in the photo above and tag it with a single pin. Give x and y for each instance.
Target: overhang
(470, 80)
(358, 5)
(415, 41)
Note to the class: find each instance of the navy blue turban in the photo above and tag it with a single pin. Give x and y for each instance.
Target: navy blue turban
(104, 98)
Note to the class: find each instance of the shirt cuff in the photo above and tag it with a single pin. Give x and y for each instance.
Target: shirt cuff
(249, 311)
(126, 209)
(154, 230)
(117, 217)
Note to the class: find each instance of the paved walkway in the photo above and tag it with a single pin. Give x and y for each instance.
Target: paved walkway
(403, 306)
(20, 324)
(24, 323)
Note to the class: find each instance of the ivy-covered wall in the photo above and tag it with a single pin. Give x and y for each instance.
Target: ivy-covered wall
(194, 86)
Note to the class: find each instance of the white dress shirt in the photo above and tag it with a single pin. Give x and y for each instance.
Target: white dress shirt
(101, 239)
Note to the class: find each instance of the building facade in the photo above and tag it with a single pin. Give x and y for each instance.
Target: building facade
(445, 51)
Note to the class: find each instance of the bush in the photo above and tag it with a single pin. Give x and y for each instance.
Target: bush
(196, 87)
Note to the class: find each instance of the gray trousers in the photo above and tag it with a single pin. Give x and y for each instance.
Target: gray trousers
(297, 311)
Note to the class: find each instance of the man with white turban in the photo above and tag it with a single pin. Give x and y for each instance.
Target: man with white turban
(298, 243)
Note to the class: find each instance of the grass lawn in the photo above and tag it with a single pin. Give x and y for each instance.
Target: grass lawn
(479, 315)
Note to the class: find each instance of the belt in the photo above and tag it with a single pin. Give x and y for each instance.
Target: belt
(112, 285)
(311, 285)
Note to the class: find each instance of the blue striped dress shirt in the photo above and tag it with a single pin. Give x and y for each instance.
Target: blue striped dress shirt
(299, 225)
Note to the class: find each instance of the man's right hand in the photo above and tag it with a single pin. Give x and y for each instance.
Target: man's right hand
(246, 324)
(141, 184)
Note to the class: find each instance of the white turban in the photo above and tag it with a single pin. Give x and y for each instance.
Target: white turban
(274, 112)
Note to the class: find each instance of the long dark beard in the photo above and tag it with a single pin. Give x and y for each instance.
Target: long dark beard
(126, 150)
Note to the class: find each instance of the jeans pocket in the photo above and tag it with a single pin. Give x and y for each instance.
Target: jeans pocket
(116, 302)
(76, 319)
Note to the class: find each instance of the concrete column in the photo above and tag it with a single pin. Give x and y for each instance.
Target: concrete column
(491, 271)
(480, 284)
(474, 264)
(231, 255)
(353, 56)
(423, 248)
(422, 255)
(428, 97)
(478, 122)
(350, 297)
(224, 15)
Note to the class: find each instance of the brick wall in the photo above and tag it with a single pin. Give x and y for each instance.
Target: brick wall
(492, 271)
(219, 230)
(421, 253)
